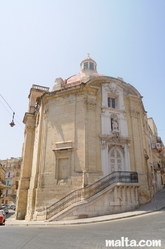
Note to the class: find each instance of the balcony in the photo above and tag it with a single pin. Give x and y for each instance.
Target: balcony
(9, 185)
(9, 176)
(158, 139)
(157, 167)
(157, 146)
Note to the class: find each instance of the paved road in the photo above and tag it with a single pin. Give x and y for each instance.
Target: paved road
(89, 236)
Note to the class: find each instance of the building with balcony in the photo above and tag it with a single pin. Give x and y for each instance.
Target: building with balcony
(157, 161)
(2, 182)
(12, 169)
(87, 149)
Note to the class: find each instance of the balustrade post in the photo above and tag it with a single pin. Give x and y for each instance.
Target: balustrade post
(123, 194)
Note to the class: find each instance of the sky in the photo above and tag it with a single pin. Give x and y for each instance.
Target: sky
(41, 40)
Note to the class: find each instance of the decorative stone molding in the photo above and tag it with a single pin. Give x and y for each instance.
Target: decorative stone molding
(135, 113)
(63, 145)
(98, 92)
(146, 155)
(112, 87)
(112, 145)
(103, 110)
(90, 103)
(103, 144)
(114, 139)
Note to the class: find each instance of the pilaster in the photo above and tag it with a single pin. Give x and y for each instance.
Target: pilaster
(29, 120)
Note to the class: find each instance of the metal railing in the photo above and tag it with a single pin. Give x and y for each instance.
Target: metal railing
(90, 190)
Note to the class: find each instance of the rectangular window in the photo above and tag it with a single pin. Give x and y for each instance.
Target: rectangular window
(16, 185)
(111, 102)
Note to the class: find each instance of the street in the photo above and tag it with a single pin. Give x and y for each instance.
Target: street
(147, 227)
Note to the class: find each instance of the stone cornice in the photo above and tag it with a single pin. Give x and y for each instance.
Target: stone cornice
(114, 139)
(29, 118)
(77, 89)
(135, 113)
(112, 110)
(129, 89)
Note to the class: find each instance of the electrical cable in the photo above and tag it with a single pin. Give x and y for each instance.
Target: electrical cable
(6, 103)
(5, 108)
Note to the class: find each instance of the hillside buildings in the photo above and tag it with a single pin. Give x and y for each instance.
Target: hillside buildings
(88, 137)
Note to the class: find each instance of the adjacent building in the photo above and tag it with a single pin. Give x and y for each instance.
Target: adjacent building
(2, 182)
(12, 169)
(89, 149)
(157, 159)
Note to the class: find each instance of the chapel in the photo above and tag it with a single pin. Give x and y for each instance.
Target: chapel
(89, 149)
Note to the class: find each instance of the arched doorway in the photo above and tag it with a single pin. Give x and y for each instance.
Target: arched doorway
(116, 159)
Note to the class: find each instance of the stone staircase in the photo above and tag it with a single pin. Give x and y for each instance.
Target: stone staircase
(116, 192)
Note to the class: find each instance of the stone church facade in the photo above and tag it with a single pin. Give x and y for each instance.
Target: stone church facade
(87, 128)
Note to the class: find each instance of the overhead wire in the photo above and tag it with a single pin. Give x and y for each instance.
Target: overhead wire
(5, 107)
(6, 103)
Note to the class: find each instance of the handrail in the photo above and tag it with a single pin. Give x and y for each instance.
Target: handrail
(92, 189)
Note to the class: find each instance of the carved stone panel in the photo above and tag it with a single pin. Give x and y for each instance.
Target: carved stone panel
(135, 113)
(90, 103)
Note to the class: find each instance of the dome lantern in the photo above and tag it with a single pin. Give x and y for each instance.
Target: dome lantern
(88, 64)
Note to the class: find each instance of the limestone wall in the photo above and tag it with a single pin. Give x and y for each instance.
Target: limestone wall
(66, 144)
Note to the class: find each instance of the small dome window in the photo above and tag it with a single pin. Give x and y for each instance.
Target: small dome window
(91, 65)
(85, 65)
(88, 64)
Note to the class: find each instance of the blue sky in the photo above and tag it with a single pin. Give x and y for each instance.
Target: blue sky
(41, 40)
